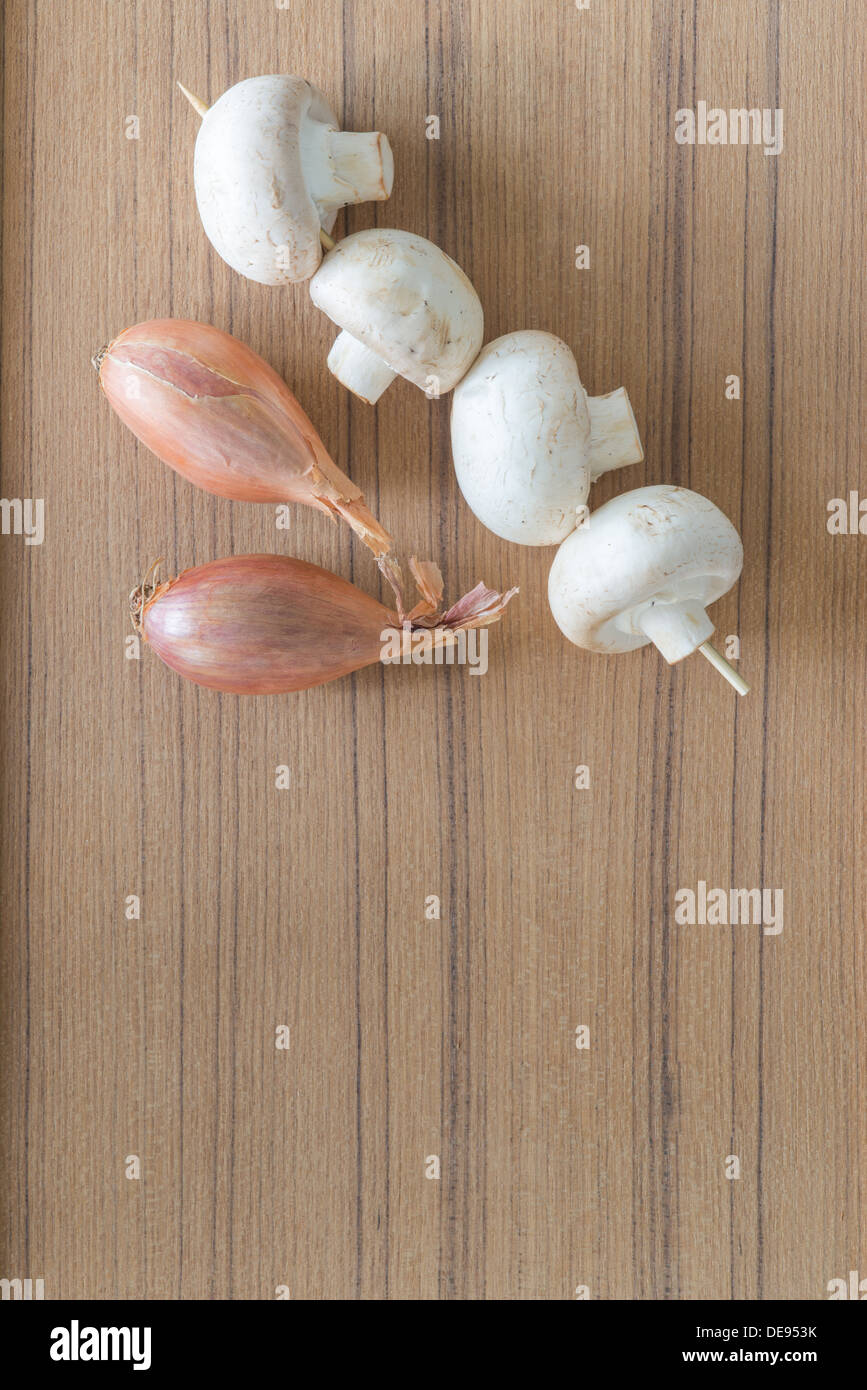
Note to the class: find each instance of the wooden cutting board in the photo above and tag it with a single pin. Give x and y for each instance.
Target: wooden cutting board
(431, 907)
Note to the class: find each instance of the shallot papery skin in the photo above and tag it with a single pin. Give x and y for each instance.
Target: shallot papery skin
(270, 624)
(214, 411)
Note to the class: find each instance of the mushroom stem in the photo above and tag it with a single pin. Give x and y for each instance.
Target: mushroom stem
(358, 167)
(677, 629)
(614, 438)
(724, 668)
(360, 370)
(195, 102)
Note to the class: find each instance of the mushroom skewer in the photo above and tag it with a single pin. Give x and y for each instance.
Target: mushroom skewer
(528, 441)
(644, 570)
(272, 171)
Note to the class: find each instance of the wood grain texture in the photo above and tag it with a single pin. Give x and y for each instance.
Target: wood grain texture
(305, 907)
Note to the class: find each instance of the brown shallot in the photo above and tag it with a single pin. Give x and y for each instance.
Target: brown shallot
(213, 410)
(268, 624)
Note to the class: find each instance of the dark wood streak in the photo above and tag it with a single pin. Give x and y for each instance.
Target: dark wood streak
(214, 510)
(443, 1247)
(347, 406)
(235, 999)
(382, 676)
(30, 88)
(733, 1137)
(637, 926)
(236, 886)
(181, 699)
(140, 696)
(774, 45)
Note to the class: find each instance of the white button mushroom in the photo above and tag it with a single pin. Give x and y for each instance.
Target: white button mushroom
(527, 440)
(273, 169)
(406, 309)
(644, 569)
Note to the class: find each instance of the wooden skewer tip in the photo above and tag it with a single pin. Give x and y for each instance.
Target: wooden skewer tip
(721, 665)
(195, 102)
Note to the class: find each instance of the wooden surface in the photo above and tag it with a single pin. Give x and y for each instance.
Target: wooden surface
(560, 1168)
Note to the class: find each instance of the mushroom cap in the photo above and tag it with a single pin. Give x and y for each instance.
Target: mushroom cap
(405, 300)
(654, 545)
(521, 438)
(250, 181)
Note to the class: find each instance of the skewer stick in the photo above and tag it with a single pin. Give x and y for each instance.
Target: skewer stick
(202, 107)
(724, 668)
(195, 102)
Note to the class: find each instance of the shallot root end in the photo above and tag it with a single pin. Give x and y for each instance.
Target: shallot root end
(143, 595)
